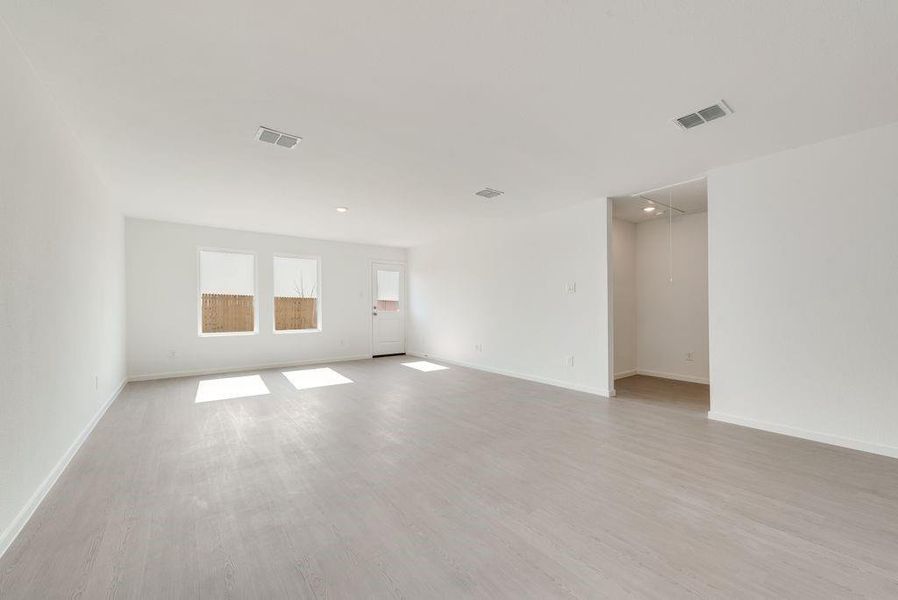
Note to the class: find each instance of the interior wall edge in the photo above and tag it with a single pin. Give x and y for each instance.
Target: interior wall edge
(605, 393)
(163, 282)
(673, 376)
(61, 237)
(662, 375)
(802, 336)
(469, 296)
(242, 368)
(12, 531)
(672, 315)
(815, 436)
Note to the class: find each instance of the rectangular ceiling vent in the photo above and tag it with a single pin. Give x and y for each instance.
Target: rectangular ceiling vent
(705, 115)
(279, 138)
(488, 193)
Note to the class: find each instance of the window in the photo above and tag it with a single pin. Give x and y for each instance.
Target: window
(297, 291)
(227, 292)
(388, 291)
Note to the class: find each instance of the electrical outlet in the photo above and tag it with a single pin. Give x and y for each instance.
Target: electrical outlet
(690, 356)
(478, 347)
(572, 287)
(569, 360)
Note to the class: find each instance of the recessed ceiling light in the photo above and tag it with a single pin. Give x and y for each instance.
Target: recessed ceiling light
(648, 209)
(342, 209)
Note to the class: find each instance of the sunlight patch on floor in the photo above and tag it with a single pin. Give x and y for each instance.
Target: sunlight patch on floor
(423, 365)
(306, 379)
(226, 388)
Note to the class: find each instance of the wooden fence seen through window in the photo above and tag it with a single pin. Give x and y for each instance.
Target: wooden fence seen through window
(228, 313)
(291, 314)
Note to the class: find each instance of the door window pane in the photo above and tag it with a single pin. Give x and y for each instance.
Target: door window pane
(387, 291)
(297, 293)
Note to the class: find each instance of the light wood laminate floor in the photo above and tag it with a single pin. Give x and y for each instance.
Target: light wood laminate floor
(450, 484)
(664, 392)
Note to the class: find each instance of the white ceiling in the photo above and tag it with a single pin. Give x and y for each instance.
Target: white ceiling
(407, 107)
(687, 198)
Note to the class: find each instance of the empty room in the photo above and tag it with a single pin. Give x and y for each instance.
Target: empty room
(659, 278)
(448, 300)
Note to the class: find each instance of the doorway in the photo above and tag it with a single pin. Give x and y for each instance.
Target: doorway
(387, 308)
(659, 245)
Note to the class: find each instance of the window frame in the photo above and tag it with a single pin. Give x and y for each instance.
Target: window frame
(199, 291)
(319, 308)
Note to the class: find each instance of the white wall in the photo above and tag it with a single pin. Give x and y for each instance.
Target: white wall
(504, 287)
(623, 249)
(163, 310)
(61, 292)
(804, 289)
(672, 317)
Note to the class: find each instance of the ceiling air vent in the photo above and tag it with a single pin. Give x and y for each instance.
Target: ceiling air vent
(279, 138)
(700, 117)
(690, 121)
(488, 193)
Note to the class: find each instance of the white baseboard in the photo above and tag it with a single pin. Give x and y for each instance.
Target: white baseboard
(545, 380)
(674, 376)
(815, 436)
(8, 536)
(240, 369)
(623, 374)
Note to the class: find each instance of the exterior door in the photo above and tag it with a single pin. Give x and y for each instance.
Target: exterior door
(387, 308)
